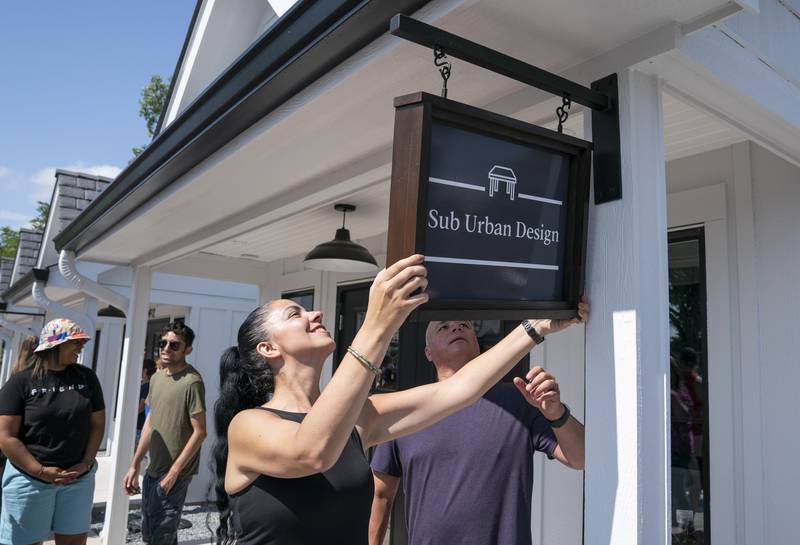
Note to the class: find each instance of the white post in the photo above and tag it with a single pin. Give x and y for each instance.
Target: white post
(109, 350)
(11, 354)
(8, 339)
(90, 309)
(116, 522)
(627, 338)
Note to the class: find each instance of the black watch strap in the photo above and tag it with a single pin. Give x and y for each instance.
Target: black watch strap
(561, 420)
(531, 331)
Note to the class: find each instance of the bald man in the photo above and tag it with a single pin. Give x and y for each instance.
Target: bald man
(469, 478)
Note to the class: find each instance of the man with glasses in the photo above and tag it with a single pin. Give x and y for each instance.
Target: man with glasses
(468, 479)
(173, 432)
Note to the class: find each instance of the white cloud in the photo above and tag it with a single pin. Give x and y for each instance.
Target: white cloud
(42, 184)
(18, 190)
(109, 171)
(15, 220)
(44, 179)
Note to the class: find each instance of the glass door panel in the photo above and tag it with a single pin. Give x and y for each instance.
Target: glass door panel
(688, 388)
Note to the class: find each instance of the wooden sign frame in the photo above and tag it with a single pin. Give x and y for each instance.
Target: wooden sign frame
(414, 115)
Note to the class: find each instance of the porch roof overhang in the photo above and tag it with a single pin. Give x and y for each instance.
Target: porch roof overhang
(320, 98)
(309, 41)
(20, 289)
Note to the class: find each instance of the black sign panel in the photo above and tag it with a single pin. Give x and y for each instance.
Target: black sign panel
(496, 220)
(499, 210)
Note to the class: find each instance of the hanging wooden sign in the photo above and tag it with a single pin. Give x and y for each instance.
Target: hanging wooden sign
(497, 206)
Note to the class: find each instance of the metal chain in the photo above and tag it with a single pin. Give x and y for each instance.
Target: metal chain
(563, 112)
(443, 65)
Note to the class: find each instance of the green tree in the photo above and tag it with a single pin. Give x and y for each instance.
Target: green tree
(9, 240)
(40, 221)
(152, 101)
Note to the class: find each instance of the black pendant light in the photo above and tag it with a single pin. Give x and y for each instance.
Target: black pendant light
(341, 254)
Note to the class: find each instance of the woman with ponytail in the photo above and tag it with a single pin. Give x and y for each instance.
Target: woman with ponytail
(290, 463)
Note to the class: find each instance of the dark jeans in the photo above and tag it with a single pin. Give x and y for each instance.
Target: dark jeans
(161, 512)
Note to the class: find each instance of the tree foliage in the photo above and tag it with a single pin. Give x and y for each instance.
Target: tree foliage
(9, 240)
(151, 103)
(42, 211)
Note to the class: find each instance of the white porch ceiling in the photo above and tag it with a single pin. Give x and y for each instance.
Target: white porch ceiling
(269, 192)
(687, 131)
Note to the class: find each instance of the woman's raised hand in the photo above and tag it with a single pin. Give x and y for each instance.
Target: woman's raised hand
(395, 292)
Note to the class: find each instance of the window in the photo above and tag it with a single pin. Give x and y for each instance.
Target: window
(304, 298)
(688, 388)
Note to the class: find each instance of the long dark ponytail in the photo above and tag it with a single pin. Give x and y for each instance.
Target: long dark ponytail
(245, 382)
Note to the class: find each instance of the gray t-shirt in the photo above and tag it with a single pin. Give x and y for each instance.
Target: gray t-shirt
(469, 478)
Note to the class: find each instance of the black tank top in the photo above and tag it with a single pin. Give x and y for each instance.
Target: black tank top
(332, 507)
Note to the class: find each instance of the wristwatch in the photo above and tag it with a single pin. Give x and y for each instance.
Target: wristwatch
(89, 463)
(531, 331)
(561, 420)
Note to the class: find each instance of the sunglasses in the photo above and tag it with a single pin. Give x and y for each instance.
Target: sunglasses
(173, 345)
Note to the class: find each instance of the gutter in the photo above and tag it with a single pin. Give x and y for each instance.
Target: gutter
(58, 309)
(5, 308)
(66, 265)
(20, 287)
(17, 328)
(310, 40)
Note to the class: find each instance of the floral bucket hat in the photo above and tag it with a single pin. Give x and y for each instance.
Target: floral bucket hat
(59, 331)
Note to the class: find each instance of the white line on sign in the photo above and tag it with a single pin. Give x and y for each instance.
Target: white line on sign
(540, 199)
(460, 261)
(462, 185)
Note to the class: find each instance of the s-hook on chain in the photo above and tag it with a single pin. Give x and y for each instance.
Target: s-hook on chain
(563, 112)
(443, 65)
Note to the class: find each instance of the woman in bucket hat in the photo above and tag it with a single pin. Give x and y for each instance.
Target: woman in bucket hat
(52, 419)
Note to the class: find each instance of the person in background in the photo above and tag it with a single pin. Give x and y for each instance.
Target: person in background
(26, 348)
(469, 478)
(52, 419)
(148, 370)
(173, 433)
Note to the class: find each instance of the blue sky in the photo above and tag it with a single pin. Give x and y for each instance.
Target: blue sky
(70, 77)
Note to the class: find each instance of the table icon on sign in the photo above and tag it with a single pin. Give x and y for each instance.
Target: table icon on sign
(502, 174)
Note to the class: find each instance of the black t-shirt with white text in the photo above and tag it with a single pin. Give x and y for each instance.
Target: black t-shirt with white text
(55, 410)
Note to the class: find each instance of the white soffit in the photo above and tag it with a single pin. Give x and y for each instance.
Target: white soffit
(300, 232)
(346, 118)
(689, 131)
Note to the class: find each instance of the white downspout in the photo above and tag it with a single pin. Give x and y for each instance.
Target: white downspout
(67, 268)
(60, 310)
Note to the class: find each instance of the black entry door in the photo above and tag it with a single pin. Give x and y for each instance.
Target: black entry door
(154, 328)
(405, 364)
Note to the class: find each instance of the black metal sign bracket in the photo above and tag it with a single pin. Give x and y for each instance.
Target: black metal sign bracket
(602, 98)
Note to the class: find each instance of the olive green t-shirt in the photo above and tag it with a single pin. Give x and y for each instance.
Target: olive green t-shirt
(173, 399)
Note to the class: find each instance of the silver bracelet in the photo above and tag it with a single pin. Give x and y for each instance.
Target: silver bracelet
(364, 361)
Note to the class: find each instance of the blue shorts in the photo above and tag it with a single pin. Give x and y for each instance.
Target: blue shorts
(32, 509)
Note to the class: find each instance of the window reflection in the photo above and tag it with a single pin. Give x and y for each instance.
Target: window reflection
(688, 389)
(303, 298)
